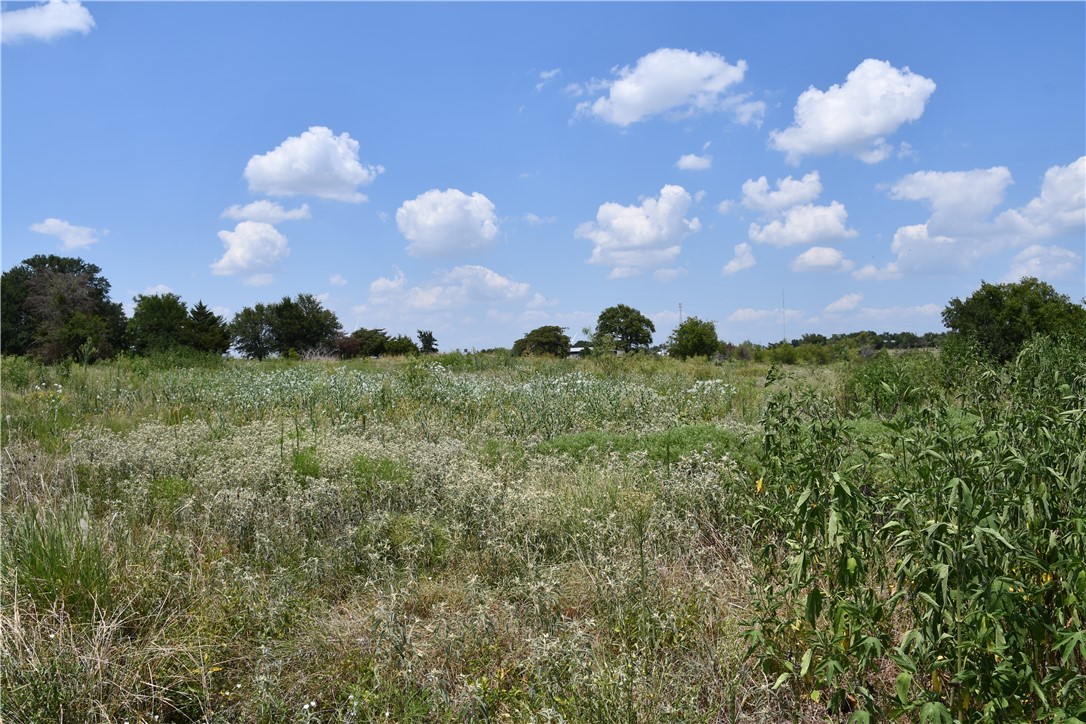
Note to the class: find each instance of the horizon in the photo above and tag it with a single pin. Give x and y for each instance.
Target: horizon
(481, 170)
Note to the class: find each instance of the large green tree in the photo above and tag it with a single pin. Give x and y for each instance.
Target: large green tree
(427, 342)
(693, 338)
(548, 340)
(1001, 318)
(250, 332)
(58, 307)
(206, 331)
(401, 345)
(629, 328)
(302, 324)
(371, 342)
(157, 323)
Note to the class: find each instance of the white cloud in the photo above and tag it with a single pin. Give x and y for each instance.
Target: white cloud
(646, 235)
(902, 314)
(821, 258)
(743, 259)
(845, 304)
(668, 80)
(157, 289)
(251, 247)
(1060, 208)
(855, 118)
(457, 287)
(805, 225)
(258, 280)
(790, 192)
(45, 21)
(871, 272)
(694, 162)
(725, 206)
(447, 223)
(959, 199)
(267, 211)
(537, 220)
(383, 287)
(72, 237)
(316, 163)
(546, 76)
(337, 280)
(1044, 262)
(538, 300)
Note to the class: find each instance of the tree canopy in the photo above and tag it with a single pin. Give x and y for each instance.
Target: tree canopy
(548, 340)
(625, 325)
(157, 323)
(56, 307)
(1001, 318)
(693, 338)
(427, 342)
(206, 331)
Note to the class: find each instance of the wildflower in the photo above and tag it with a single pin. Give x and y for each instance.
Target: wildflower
(759, 486)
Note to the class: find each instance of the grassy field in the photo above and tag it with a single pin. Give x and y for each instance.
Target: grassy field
(482, 538)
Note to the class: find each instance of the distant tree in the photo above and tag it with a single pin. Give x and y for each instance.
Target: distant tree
(693, 338)
(157, 323)
(401, 345)
(206, 331)
(57, 307)
(427, 343)
(371, 342)
(250, 332)
(625, 325)
(347, 347)
(302, 324)
(1001, 318)
(548, 340)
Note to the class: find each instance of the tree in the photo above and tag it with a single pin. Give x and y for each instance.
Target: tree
(59, 307)
(371, 342)
(1001, 318)
(206, 331)
(302, 324)
(625, 325)
(250, 332)
(693, 338)
(548, 340)
(157, 323)
(401, 345)
(427, 343)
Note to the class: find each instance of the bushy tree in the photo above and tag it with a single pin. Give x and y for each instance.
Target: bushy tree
(629, 328)
(548, 340)
(57, 307)
(371, 342)
(427, 343)
(693, 338)
(302, 324)
(157, 323)
(401, 345)
(250, 332)
(206, 331)
(1001, 318)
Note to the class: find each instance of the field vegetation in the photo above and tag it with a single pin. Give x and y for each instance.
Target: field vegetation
(494, 538)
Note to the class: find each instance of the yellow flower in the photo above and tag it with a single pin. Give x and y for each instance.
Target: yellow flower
(758, 486)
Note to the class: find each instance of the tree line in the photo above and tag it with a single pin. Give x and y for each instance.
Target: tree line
(56, 308)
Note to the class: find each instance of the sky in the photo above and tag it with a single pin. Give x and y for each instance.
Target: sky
(483, 169)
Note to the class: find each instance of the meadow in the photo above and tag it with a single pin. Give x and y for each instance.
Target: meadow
(487, 538)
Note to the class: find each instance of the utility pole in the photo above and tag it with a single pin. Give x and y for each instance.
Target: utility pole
(680, 312)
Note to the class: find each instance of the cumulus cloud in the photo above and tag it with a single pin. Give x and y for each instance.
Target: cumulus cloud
(457, 287)
(821, 258)
(856, 117)
(743, 259)
(253, 246)
(959, 199)
(537, 220)
(158, 289)
(790, 192)
(645, 235)
(845, 304)
(71, 237)
(448, 223)
(1044, 262)
(316, 163)
(337, 280)
(1060, 208)
(45, 21)
(669, 81)
(267, 211)
(694, 162)
(805, 224)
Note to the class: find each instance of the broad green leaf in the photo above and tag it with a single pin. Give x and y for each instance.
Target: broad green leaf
(904, 681)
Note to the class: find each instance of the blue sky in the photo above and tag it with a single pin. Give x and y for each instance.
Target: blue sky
(483, 169)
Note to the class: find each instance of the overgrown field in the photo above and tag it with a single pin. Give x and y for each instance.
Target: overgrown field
(481, 538)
